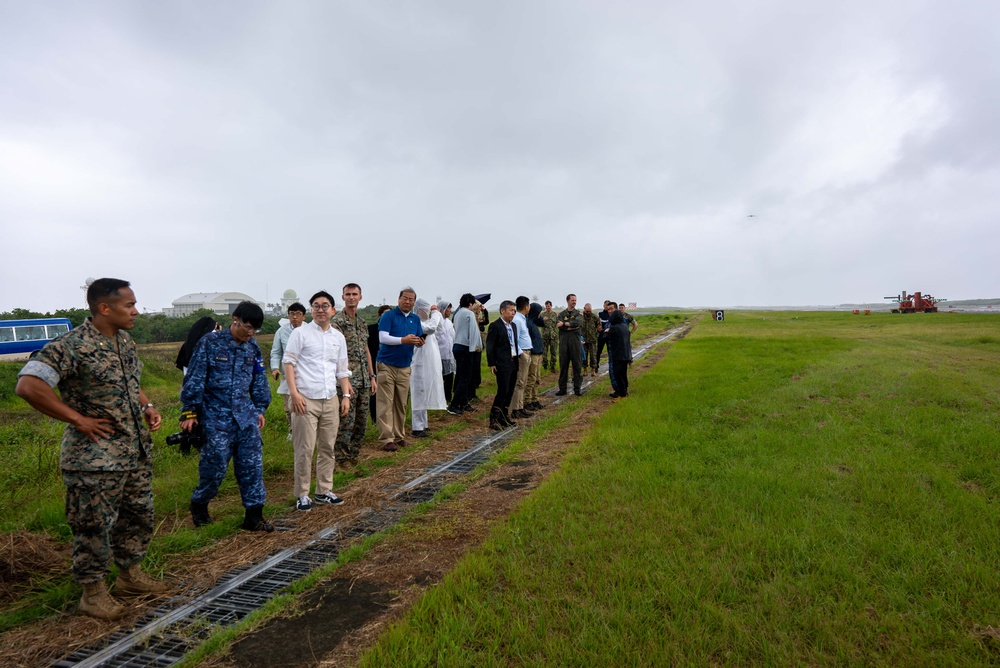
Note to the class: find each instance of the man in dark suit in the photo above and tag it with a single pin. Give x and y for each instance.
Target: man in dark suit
(502, 358)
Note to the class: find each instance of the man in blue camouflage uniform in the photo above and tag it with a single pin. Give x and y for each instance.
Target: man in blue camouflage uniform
(106, 453)
(226, 392)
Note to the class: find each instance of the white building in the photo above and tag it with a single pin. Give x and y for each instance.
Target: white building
(221, 303)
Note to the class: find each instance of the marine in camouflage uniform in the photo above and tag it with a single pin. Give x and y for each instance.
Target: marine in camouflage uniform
(351, 435)
(106, 451)
(226, 386)
(550, 337)
(570, 348)
(591, 323)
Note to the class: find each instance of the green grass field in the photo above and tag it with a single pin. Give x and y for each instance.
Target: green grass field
(781, 489)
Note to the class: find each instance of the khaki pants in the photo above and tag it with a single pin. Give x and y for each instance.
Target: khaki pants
(393, 391)
(534, 378)
(523, 367)
(286, 403)
(316, 430)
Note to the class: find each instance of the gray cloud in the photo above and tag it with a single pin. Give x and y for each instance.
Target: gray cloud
(532, 148)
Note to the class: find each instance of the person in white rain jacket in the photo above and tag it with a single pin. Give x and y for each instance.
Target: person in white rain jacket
(426, 383)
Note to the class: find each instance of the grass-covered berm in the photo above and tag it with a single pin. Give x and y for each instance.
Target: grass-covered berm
(781, 489)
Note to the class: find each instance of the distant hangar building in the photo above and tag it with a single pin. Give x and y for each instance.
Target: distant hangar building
(221, 303)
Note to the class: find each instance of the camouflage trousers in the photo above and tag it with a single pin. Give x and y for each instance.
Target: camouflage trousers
(590, 354)
(353, 425)
(111, 515)
(225, 440)
(551, 350)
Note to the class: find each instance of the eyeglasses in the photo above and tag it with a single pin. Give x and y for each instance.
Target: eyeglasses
(246, 326)
(322, 307)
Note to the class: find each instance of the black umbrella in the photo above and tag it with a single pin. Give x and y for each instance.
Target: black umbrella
(483, 298)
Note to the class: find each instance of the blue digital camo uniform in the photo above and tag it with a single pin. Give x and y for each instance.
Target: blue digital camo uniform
(227, 385)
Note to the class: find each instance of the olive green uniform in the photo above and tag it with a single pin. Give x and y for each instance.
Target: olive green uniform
(591, 323)
(351, 435)
(550, 339)
(570, 349)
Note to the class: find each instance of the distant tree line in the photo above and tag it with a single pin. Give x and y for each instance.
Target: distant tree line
(158, 328)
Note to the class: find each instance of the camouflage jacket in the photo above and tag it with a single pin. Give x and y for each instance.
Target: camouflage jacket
(550, 331)
(226, 380)
(591, 323)
(572, 321)
(97, 377)
(356, 334)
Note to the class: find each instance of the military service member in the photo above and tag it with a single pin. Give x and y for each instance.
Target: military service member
(591, 325)
(226, 393)
(569, 322)
(106, 454)
(550, 337)
(355, 331)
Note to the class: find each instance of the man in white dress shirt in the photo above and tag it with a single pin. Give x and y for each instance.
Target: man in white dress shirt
(316, 363)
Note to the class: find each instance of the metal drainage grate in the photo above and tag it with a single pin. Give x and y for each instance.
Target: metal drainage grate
(164, 636)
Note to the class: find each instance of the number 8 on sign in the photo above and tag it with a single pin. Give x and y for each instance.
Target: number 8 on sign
(720, 315)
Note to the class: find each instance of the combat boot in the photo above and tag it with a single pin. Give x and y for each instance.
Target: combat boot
(505, 418)
(133, 582)
(199, 514)
(254, 520)
(97, 602)
(495, 420)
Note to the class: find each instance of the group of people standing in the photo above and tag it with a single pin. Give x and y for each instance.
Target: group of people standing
(334, 371)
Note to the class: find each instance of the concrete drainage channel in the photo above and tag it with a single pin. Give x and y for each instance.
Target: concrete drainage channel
(165, 635)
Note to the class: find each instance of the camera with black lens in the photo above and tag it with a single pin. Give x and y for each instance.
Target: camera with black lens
(187, 439)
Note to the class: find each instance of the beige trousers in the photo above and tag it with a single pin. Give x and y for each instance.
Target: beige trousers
(390, 400)
(534, 378)
(523, 367)
(315, 431)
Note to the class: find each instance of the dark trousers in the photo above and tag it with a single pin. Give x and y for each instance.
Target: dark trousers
(463, 376)
(449, 381)
(506, 382)
(570, 352)
(601, 342)
(477, 373)
(621, 377)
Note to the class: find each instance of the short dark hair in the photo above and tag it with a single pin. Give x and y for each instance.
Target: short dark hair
(504, 304)
(611, 303)
(548, 302)
(297, 307)
(570, 295)
(382, 309)
(322, 293)
(351, 285)
(521, 302)
(407, 288)
(250, 313)
(103, 288)
(466, 300)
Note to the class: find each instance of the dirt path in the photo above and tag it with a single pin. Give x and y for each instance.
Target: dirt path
(341, 617)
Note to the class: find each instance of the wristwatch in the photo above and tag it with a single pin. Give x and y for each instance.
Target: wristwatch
(147, 407)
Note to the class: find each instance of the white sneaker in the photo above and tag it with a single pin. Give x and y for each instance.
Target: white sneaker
(329, 497)
(303, 503)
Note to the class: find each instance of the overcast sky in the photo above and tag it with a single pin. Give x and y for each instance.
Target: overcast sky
(612, 149)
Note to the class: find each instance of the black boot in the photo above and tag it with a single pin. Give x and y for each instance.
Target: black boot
(254, 520)
(496, 418)
(505, 417)
(199, 514)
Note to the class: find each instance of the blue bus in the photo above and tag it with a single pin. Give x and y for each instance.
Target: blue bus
(27, 336)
